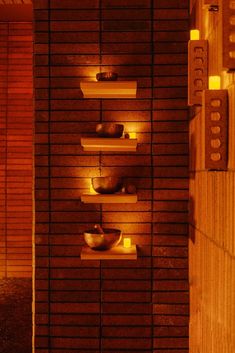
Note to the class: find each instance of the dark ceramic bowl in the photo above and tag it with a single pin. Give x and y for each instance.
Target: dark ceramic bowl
(107, 185)
(107, 76)
(107, 240)
(109, 130)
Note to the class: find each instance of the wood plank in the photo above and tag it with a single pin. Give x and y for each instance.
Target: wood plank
(116, 253)
(109, 198)
(109, 89)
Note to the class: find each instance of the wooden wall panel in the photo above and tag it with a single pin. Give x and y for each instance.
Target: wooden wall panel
(3, 141)
(92, 306)
(212, 257)
(17, 150)
(212, 222)
(212, 296)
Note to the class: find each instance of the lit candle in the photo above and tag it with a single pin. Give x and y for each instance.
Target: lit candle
(127, 242)
(214, 82)
(194, 34)
(132, 135)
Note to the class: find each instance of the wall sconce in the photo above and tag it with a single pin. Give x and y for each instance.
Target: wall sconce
(197, 67)
(228, 25)
(215, 114)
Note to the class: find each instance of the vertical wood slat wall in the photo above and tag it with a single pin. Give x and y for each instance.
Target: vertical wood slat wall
(16, 149)
(118, 306)
(211, 249)
(212, 216)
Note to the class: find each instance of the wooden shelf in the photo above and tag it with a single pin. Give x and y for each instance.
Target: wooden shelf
(109, 198)
(108, 144)
(109, 89)
(116, 253)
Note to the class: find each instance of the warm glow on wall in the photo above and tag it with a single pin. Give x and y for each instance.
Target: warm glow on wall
(194, 34)
(214, 82)
(92, 191)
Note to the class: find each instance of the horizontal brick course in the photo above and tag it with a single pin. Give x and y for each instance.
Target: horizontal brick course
(134, 306)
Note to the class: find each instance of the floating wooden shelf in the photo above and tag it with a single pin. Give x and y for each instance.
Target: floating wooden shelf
(109, 89)
(109, 198)
(116, 253)
(109, 144)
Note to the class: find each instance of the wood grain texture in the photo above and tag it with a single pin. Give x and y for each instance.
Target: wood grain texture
(197, 70)
(212, 222)
(17, 150)
(216, 129)
(228, 12)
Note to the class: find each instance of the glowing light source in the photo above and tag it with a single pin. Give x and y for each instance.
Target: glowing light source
(92, 191)
(126, 242)
(214, 82)
(132, 135)
(194, 34)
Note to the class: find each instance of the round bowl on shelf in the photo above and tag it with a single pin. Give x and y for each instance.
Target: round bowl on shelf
(107, 76)
(109, 130)
(107, 185)
(102, 241)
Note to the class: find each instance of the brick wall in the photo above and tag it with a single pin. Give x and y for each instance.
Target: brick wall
(16, 139)
(118, 306)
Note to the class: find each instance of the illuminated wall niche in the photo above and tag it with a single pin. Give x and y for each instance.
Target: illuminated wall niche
(215, 113)
(228, 25)
(197, 68)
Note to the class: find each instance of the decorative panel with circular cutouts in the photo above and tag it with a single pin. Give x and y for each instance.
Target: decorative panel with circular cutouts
(215, 109)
